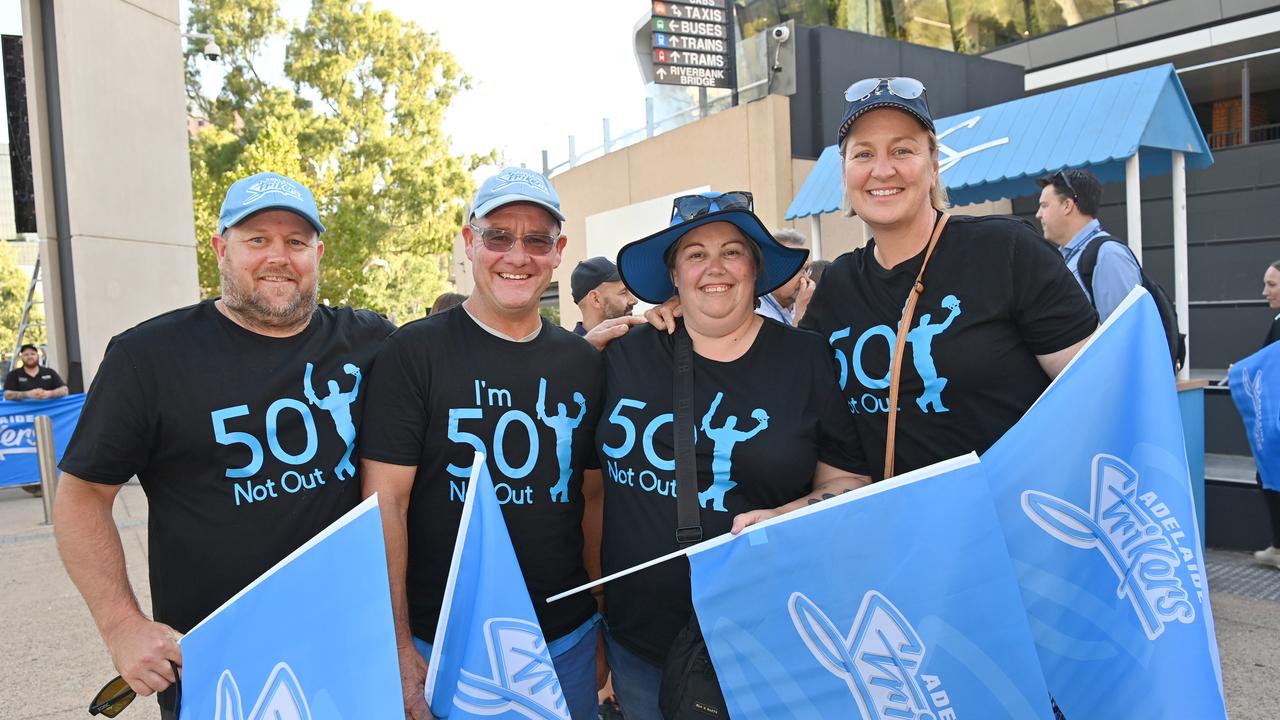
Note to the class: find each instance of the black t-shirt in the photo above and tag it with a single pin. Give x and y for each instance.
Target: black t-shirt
(242, 442)
(762, 422)
(996, 295)
(44, 379)
(445, 388)
(1273, 334)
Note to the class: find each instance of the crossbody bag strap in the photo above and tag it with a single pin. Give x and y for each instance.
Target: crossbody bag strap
(900, 344)
(688, 517)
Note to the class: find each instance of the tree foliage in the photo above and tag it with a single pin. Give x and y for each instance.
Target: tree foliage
(360, 123)
(13, 296)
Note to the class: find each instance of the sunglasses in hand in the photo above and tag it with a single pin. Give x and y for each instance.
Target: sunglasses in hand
(116, 695)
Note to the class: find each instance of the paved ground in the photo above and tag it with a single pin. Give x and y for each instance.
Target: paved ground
(51, 660)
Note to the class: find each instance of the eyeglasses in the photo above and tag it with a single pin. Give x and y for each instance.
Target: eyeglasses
(690, 207)
(499, 240)
(904, 87)
(116, 695)
(1062, 175)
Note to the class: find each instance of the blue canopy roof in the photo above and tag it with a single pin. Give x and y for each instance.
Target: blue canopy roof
(999, 151)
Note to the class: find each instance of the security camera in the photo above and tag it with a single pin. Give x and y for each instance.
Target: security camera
(781, 33)
(212, 52)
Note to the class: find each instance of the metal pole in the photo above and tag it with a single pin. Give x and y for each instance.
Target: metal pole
(1244, 103)
(815, 229)
(648, 117)
(608, 142)
(1133, 205)
(48, 460)
(1180, 291)
(546, 169)
(573, 151)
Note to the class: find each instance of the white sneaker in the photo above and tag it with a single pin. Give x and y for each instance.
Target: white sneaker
(1270, 556)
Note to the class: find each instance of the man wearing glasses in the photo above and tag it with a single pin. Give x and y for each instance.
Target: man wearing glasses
(1068, 213)
(208, 406)
(489, 376)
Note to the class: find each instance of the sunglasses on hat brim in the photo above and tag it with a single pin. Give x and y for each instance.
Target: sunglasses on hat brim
(692, 207)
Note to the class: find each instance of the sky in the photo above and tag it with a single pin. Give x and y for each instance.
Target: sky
(540, 71)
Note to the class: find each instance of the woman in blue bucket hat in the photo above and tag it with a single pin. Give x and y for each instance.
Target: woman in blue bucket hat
(772, 432)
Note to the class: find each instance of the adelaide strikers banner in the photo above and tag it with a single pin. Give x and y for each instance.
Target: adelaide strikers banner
(893, 601)
(18, 463)
(312, 639)
(1094, 498)
(1256, 392)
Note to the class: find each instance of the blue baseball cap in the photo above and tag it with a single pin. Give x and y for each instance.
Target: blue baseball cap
(267, 191)
(514, 185)
(643, 263)
(885, 92)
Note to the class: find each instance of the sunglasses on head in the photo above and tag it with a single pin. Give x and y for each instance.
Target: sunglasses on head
(1066, 181)
(691, 207)
(904, 87)
(116, 695)
(500, 240)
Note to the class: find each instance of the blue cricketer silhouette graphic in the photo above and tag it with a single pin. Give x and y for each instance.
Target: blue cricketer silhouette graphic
(338, 405)
(725, 437)
(921, 339)
(563, 425)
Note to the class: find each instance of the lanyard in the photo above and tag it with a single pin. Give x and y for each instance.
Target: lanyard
(1083, 243)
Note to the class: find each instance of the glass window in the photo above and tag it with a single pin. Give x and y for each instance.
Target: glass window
(1050, 15)
(980, 25)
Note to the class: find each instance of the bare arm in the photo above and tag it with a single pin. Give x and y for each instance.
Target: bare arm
(606, 332)
(89, 544)
(59, 392)
(393, 484)
(1053, 363)
(828, 482)
(15, 395)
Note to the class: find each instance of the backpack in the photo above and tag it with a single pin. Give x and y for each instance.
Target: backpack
(1168, 314)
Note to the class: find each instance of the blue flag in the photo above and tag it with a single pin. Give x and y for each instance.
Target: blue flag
(1093, 493)
(489, 657)
(18, 463)
(894, 601)
(312, 639)
(1256, 390)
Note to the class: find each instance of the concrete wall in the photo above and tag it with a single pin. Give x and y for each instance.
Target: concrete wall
(118, 126)
(744, 148)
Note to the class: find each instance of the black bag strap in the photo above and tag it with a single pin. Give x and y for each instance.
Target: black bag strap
(688, 517)
(1089, 260)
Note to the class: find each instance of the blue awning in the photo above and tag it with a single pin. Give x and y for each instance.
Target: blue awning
(999, 151)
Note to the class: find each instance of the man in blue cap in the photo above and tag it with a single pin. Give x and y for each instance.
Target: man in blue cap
(490, 374)
(214, 408)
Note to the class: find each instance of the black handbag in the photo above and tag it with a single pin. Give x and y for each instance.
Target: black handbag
(690, 689)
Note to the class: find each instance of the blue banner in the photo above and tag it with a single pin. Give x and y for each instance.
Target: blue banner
(1094, 497)
(895, 601)
(312, 639)
(18, 464)
(489, 657)
(1255, 387)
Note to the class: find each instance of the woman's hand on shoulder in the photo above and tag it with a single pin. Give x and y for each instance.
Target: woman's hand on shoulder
(663, 317)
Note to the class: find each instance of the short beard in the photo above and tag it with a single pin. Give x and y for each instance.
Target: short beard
(251, 308)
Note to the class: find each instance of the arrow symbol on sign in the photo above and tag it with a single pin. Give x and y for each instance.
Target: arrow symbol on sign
(662, 73)
(675, 57)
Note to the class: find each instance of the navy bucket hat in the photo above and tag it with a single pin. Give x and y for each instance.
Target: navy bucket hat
(902, 93)
(643, 263)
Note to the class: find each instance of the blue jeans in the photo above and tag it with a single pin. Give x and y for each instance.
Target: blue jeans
(635, 681)
(574, 656)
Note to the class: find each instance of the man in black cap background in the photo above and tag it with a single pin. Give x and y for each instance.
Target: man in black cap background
(599, 292)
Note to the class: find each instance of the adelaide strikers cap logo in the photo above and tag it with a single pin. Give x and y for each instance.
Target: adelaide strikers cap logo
(267, 191)
(514, 185)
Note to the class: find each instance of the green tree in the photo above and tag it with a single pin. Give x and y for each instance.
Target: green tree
(361, 124)
(13, 295)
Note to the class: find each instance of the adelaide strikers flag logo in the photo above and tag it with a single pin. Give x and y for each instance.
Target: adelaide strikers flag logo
(1135, 533)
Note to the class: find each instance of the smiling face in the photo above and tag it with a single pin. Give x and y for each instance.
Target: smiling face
(715, 274)
(509, 284)
(270, 267)
(1271, 288)
(30, 358)
(889, 169)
